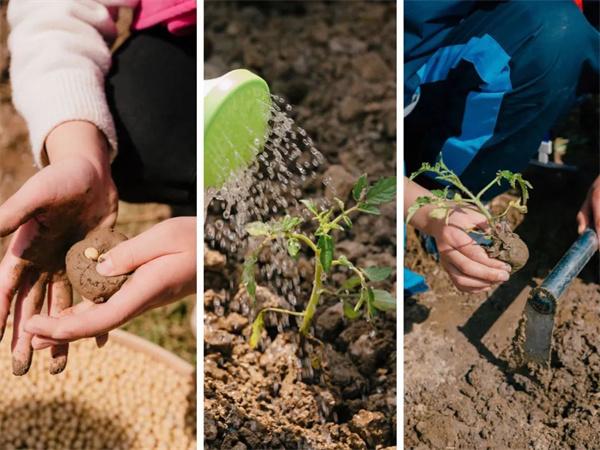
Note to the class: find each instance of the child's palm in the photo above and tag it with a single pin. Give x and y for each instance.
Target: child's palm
(50, 212)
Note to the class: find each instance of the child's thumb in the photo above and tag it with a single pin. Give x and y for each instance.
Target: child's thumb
(106, 267)
(126, 256)
(131, 254)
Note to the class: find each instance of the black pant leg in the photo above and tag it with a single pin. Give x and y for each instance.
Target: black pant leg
(151, 91)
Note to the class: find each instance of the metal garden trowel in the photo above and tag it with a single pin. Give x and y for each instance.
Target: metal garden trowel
(541, 304)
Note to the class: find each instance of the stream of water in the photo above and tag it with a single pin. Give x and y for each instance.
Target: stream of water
(269, 188)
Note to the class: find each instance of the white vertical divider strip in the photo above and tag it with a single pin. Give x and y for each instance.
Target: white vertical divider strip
(399, 223)
(200, 225)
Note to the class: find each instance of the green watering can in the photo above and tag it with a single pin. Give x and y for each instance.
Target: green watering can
(236, 119)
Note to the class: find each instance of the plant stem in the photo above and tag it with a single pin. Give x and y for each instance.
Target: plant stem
(475, 200)
(304, 239)
(309, 312)
(488, 187)
(452, 178)
(359, 274)
(344, 213)
(283, 311)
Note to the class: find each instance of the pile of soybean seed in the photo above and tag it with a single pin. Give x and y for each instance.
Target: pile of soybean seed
(111, 398)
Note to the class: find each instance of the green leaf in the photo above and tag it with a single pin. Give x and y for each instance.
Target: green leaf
(336, 226)
(315, 362)
(369, 209)
(377, 273)
(382, 192)
(349, 311)
(325, 245)
(383, 300)
(350, 283)
(371, 310)
(293, 247)
(310, 206)
(524, 185)
(412, 210)
(324, 216)
(347, 221)
(257, 327)
(515, 179)
(344, 261)
(288, 223)
(419, 203)
(248, 276)
(258, 229)
(359, 187)
(425, 167)
(438, 213)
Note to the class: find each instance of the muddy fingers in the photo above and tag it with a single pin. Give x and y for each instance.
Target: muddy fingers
(29, 302)
(10, 278)
(60, 297)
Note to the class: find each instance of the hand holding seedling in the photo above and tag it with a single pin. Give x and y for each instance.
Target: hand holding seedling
(356, 293)
(448, 218)
(589, 213)
(163, 262)
(52, 210)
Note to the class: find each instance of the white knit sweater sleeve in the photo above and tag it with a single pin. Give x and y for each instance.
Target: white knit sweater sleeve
(59, 58)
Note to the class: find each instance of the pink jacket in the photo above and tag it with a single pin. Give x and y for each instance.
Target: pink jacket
(177, 15)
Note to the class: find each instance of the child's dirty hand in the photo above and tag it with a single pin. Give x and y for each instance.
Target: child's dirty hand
(469, 266)
(53, 209)
(589, 213)
(163, 260)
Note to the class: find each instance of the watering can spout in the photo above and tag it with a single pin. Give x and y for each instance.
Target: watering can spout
(237, 109)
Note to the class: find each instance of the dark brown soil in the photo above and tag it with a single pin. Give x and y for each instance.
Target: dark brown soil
(81, 270)
(460, 389)
(335, 63)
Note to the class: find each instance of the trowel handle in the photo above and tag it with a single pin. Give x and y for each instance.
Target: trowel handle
(572, 263)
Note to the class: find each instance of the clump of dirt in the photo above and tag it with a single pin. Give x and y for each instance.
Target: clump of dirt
(271, 398)
(508, 247)
(82, 259)
(477, 404)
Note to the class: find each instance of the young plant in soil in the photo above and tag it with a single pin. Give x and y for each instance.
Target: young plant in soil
(505, 245)
(356, 292)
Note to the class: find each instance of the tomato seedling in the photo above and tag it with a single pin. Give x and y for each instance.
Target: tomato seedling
(356, 292)
(505, 245)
